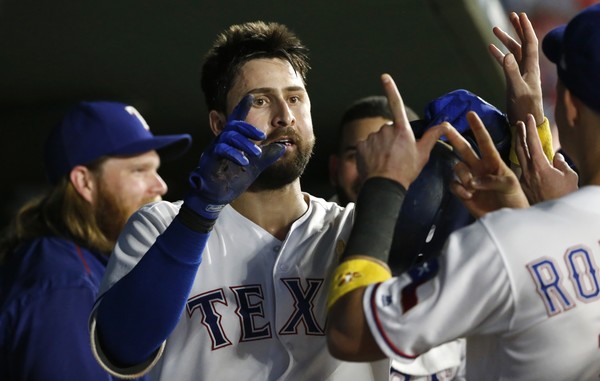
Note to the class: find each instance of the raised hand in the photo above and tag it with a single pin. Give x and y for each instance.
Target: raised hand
(393, 151)
(521, 69)
(230, 164)
(540, 179)
(484, 183)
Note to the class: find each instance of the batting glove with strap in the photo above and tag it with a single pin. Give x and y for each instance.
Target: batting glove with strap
(230, 164)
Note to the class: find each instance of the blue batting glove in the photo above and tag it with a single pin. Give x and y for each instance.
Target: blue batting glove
(230, 164)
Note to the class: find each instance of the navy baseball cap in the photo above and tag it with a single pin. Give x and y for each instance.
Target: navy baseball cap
(91, 130)
(575, 49)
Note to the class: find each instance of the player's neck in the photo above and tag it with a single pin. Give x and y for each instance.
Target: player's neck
(276, 210)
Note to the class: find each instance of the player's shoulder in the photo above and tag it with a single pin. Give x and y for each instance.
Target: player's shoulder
(585, 201)
(330, 208)
(158, 214)
(49, 254)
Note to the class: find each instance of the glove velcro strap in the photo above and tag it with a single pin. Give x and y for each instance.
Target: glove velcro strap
(202, 207)
(545, 137)
(355, 273)
(194, 221)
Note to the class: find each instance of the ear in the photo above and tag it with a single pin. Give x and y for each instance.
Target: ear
(84, 182)
(572, 107)
(334, 164)
(216, 121)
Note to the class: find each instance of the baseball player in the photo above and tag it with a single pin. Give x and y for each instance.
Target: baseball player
(101, 161)
(520, 284)
(229, 283)
(363, 117)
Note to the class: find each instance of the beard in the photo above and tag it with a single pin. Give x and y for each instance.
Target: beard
(112, 213)
(287, 168)
(111, 216)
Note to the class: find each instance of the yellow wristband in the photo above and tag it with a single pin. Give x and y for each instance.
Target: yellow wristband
(545, 137)
(353, 274)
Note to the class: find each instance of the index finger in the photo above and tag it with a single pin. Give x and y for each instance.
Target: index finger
(241, 110)
(536, 152)
(483, 138)
(396, 105)
(530, 43)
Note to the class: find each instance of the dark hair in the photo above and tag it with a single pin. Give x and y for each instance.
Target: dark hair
(369, 107)
(241, 43)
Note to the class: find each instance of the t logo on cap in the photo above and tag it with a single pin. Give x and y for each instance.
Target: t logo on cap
(91, 130)
(133, 111)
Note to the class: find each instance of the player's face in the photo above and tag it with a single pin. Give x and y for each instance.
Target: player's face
(343, 168)
(124, 185)
(281, 109)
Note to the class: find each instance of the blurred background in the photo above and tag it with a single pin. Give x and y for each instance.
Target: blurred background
(148, 53)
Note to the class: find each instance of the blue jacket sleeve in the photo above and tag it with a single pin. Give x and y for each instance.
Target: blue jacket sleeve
(50, 339)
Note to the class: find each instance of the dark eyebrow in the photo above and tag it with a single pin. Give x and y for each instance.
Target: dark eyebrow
(263, 90)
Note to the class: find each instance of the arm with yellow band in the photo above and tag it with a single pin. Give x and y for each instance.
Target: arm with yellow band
(545, 137)
(364, 260)
(354, 273)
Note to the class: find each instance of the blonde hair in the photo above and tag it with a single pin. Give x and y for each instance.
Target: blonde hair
(62, 212)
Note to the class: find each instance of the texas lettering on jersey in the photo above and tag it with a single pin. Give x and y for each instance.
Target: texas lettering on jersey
(249, 307)
(550, 280)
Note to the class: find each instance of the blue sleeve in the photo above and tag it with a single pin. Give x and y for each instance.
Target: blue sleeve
(140, 311)
(50, 338)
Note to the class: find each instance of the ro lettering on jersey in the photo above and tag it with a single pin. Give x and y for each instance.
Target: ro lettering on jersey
(550, 279)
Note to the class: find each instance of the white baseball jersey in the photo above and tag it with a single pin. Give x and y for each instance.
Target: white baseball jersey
(257, 308)
(521, 285)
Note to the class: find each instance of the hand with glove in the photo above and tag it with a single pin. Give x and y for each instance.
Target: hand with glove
(230, 164)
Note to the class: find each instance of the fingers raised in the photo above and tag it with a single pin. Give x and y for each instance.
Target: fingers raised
(521, 148)
(510, 43)
(534, 144)
(530, 44)
(396, 105)
(483, 138)
(241, 110)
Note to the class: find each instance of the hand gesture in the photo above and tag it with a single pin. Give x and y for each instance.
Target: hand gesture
(521, 69)
(230, 164)
(540, 179)
(393, 151)
(484, 183)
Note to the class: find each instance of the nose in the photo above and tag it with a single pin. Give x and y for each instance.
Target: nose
(284, 116)
(159, 187)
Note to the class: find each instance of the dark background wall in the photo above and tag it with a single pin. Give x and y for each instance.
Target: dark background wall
(148, 53)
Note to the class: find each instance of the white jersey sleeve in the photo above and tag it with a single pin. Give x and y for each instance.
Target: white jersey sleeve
(138, 236)
(522, 286)
(425, 307)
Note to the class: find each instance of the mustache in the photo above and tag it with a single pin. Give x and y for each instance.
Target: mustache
(284, 132)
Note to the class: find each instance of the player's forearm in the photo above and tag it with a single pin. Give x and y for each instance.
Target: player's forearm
(348, 334)
(140, 311)
(364, 262)
(377, 210)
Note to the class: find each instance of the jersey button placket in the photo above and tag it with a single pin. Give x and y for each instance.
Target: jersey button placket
(283, 267)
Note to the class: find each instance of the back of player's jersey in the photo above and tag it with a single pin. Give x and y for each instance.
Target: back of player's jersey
(521, 285)
(551, 254)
